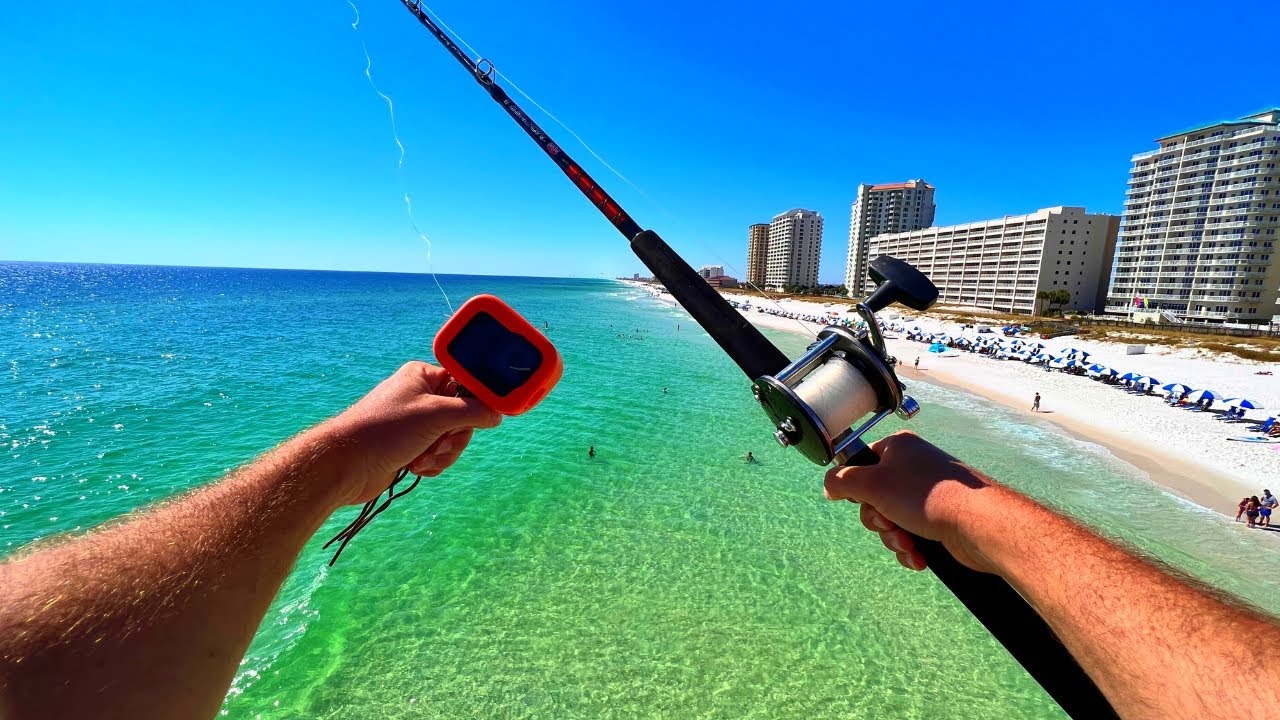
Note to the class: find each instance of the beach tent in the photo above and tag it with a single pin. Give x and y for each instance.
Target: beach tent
(937, 347)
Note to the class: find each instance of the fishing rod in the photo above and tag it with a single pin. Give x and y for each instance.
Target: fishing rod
(844, 378)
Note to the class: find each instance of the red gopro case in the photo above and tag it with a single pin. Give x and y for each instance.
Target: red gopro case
(497, 355)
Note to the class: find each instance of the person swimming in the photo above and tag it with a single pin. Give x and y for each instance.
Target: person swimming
(591, 451)
(750, 458)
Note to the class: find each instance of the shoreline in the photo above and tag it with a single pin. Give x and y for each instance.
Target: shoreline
(1171, 469)
(1202, 486)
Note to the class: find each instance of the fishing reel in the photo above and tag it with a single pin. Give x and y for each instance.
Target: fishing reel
(846, 377)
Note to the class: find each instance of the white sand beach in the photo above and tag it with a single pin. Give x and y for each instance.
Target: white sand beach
(1180, 450)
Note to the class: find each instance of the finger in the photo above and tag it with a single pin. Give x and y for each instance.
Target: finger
(898, 540)
(443, 452)
(461, 412)
(912, 561)
(848, 483)
(873, 520)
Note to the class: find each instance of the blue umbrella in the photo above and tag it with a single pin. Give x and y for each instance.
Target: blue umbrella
(1199, 395)
(1142, 380)
(1176, 389)
(1242, 403)
(1097, 368)
(1130, 376)
(1108, 371)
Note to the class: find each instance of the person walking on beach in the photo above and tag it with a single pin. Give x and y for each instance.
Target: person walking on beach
(917, 362)
(1267, 504)
(1035, 404)
(1251, 510)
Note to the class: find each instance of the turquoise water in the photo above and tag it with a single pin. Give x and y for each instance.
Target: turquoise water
(665, 578)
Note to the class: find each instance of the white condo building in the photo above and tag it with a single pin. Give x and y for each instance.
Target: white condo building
(879, 209)
(1200, 220)
(793, 250)
(1001, 264)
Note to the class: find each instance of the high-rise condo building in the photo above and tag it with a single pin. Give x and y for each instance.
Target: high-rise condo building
(1199, 229)
(1001, 264)
(794, 247)
(879, 209)
(757, 253)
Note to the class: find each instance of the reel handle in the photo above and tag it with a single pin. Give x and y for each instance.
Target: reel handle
(1011, 620)
(862, 455)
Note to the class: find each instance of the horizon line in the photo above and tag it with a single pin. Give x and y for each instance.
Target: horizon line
(298, 269)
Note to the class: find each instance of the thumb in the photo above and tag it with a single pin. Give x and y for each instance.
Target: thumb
(853, 483)
(465, 412)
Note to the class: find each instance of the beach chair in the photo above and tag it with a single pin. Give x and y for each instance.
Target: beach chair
(1265, 427)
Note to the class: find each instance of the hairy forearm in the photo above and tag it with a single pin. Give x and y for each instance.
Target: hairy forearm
(1156, 644)
(150, 617)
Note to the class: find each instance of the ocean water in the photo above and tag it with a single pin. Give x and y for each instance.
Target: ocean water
(665, 578)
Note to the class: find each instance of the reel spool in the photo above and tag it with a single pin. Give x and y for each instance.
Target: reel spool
(846, 377)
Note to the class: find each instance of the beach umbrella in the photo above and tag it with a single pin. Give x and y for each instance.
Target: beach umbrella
(1130, 376)
(1108, 371)
(1144, 380)
(1039, 358)
(1242, 403)
(1199, 395)
(1095, 368)
(1176, 389)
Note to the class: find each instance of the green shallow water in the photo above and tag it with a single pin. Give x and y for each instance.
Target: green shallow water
(664, 578)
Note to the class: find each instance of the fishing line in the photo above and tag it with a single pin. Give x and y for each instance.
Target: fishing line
(395, 135)
(599, 158)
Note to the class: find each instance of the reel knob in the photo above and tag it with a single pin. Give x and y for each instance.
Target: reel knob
(898, 281)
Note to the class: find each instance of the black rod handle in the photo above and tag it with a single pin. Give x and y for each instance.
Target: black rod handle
(744, 344)
(1012, 622)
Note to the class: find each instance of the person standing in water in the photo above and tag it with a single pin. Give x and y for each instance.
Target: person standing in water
(750, 458)
(591, 451)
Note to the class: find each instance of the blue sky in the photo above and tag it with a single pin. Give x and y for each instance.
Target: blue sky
(245, 134)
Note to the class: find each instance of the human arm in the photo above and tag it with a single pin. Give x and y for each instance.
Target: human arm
(1157, 645)
(149, 617)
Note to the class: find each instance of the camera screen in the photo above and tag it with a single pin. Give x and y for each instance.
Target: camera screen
(497, 357)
